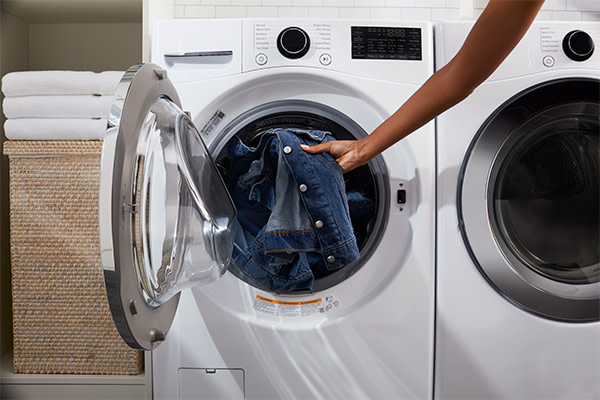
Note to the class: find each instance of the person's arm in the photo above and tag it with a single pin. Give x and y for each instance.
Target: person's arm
(496, 32)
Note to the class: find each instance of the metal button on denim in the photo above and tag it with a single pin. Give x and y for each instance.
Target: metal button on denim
(303, 188)
(287, 149)
(330, 259)
(319, 224)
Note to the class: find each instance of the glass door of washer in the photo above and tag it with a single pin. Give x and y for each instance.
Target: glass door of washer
(166, 217)
(528, 200)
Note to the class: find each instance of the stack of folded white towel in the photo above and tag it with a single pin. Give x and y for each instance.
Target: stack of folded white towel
(58, 105)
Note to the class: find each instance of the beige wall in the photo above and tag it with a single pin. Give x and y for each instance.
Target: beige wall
(85, 47)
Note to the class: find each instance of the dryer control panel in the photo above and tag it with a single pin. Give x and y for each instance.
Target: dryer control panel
(558, 46)
(547, 46)
(578, 45)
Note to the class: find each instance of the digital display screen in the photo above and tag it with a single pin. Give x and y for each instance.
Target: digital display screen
(377, 42)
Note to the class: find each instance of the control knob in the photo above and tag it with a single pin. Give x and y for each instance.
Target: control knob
(578, 45)
(293, 42)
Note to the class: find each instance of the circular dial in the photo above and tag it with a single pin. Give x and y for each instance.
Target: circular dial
(578, 45)
(293, 42)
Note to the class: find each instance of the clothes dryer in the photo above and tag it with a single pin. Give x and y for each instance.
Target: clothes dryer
(518, 273)
(170, 229)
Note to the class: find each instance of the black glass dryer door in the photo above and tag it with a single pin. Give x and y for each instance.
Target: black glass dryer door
(166, 217)
(529, 200)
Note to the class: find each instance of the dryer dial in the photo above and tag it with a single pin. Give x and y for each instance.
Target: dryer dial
(293, 42)
(578, 45)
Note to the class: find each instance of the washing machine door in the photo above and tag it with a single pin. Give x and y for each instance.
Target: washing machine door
(166, 217)
(528, 200)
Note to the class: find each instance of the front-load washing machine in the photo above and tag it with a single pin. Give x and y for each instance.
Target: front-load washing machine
(170, 223)
(518, 273)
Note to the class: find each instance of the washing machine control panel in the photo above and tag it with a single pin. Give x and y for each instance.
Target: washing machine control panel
(293, 42)
(377, 49)
(392, 51)
(390, 43)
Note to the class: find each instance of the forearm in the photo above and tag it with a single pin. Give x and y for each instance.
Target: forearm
(431, 99)
(497, 31)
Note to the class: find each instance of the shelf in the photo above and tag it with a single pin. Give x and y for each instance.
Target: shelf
(81, 387)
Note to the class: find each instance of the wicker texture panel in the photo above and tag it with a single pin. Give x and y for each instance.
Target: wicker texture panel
(61, 320)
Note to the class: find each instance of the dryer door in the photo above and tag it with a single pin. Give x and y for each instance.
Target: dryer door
(529, 202)
(166, 217)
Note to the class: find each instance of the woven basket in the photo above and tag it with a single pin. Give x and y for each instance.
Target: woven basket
(61, 319)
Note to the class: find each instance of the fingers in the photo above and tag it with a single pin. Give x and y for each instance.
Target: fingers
(336, 148)
(317, 148)
(340, 150)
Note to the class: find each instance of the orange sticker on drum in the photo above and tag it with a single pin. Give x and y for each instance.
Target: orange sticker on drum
(301, 308)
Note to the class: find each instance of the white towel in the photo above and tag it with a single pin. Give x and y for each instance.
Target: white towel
(71, 106)
(31, 83)
(54, 129)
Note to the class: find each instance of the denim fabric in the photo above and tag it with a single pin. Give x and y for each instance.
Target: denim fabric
(292, 209)
(362, 210)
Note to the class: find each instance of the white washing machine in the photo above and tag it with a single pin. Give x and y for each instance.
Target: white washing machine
(518, 273)
(168, 224)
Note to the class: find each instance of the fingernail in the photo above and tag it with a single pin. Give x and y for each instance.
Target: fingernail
(303, 146)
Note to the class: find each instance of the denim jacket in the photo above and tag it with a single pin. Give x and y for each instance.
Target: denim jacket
(292, 210)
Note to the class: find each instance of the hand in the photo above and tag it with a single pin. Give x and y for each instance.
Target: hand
(345, 152)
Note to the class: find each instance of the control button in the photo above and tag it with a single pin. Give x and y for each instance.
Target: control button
(319, 224)
(325, 59)
(330, 259)
(548, 61)
(303, 188)
(261, 59)
(578, 45)
(293, 42)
